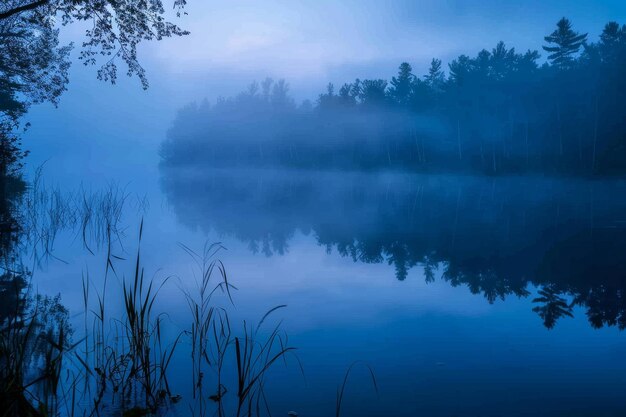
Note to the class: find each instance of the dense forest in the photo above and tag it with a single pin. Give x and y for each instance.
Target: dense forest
(498, 112)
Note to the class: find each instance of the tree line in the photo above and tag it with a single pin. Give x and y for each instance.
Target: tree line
(500, 111)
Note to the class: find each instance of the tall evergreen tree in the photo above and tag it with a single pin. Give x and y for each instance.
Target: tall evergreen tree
(280, 95)
(435, 77)
(373, 92)
(503, 62)
(266, 87)
(327, 100)
(460, 69)
(563, 44)
(356, 88)
(346, 95)
(612, 42)
(400, 90)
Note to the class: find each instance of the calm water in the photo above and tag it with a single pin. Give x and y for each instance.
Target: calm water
(433, 281)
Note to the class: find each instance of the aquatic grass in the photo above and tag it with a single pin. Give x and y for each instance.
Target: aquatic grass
(125, 359)
(212, 341)
(210, 328)
(254, 359)
(342, 388)
(94, 217)
(130, 361)
(128, 354)
(144, 336)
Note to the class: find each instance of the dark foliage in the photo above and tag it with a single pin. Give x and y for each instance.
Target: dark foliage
(34, 66)
(497, 112)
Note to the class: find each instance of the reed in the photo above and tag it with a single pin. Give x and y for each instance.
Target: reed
(125, 359)
(94, 217)
(127, 355)
(342, 388)
(212, 341)
(210, 331)
(254, 358)
(148, 357)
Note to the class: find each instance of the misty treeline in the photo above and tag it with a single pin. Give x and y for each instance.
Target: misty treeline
(500, 111)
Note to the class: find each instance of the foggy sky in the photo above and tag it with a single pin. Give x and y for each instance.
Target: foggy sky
(307, 42)
(313, 42)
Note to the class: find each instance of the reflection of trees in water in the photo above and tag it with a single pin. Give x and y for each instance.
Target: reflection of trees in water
(551, 306)
(11, 188)
(33, 329)
(495, 236)
(35, 334)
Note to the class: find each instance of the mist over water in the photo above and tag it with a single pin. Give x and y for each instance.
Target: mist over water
(497, 236)
(361, 238)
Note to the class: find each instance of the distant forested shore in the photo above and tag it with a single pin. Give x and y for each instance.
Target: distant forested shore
(498, 112)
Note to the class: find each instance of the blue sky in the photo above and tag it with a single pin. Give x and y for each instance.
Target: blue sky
(312, 42)
(307, 42)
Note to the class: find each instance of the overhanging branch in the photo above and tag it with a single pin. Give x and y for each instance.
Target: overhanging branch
(24, 8)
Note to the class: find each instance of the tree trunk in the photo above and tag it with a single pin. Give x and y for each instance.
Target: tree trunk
(527, 150)
(418, 150)
(558, 119)
(595, 137)
(458, 137)
(482, 150)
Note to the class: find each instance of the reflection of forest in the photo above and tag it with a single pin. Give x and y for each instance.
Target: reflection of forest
(12, 302)
(10, 190)
(12, 281)
(494, 235)
(34, 329)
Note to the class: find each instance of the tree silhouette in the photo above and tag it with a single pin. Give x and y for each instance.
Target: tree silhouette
(348, 95)
(34, 67)
(564, 44)
(496, 112)
(400, 90)
(373, 92)
(554, 306)
(435, 78)
(280, 95)
(118, 27)
(612, 42)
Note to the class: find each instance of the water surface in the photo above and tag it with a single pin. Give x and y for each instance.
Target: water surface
(467, 295)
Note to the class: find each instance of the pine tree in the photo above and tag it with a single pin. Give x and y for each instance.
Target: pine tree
(373, 92)
(345, 95)
(435, 77)
(460, 69)
(564, 43)
(401, 85)
(356, 89)
(612, 41)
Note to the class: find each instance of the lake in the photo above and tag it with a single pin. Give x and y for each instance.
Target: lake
(464, 295)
